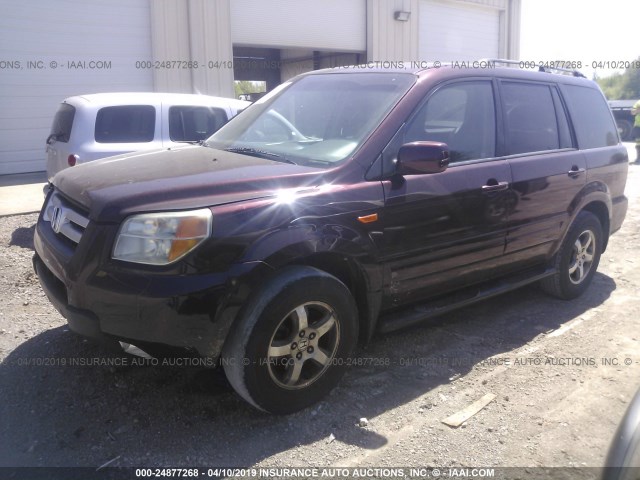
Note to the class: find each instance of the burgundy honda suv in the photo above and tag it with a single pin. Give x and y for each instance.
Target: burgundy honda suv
(346, 202)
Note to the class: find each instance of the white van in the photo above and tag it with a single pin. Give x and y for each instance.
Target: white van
(89, 127)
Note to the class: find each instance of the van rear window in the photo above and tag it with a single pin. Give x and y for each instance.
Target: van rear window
(191, 124)
(126, 124)
(62, 123)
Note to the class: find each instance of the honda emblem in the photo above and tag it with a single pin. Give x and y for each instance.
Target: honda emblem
(56, 219)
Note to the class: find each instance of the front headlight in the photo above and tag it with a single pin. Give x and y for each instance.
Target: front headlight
(161, 238)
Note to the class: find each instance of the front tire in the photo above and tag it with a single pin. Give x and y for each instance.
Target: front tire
(290, 346)
(577, 260)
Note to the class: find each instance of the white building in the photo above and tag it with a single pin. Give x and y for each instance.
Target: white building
(50, 49)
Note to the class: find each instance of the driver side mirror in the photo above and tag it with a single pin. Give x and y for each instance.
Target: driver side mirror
(419, 158)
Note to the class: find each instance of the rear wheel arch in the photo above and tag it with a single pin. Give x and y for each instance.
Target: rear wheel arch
(576, 261)
(596, 199)
(600, 210)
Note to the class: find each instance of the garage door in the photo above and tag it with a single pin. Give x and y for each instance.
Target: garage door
(336, 25)
(451, 31)
(52, 50)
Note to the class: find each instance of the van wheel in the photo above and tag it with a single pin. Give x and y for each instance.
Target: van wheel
(577, 261)
(291, 344)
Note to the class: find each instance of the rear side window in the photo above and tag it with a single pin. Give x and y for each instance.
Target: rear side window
(63, 122)
(531, 124)
(126, 124)
(591, 117)
(190, 124)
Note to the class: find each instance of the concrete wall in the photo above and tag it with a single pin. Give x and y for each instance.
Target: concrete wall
(389, 39)
(195, 30)
(202, 31)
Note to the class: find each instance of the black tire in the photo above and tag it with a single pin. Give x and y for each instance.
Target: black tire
(577, 260)
(290, 346)
(624, 128)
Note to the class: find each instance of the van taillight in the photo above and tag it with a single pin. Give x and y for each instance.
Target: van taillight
(72, 160)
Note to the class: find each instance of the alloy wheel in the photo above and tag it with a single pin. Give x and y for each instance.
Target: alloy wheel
(582, 257)
(303, 345)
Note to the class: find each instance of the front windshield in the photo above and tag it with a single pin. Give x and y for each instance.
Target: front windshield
(317, 121)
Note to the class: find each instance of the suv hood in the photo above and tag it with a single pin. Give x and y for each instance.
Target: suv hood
(175, 179)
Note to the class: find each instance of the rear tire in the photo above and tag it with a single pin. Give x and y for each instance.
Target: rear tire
(291, 344)
(624, 128)
(577, 260)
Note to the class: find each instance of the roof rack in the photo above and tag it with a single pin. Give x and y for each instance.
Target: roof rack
(541, 68)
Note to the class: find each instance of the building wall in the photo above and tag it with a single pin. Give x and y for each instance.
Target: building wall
(307, 34)
(197, 31)
(53, 50)
(170, 40)
(206, 31)
(328, 25)
(389, 39)
(450, 31)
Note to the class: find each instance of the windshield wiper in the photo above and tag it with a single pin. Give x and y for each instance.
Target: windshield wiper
(321, 162)
(259, 153)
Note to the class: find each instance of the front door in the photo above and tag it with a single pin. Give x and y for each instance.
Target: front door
(447, 230)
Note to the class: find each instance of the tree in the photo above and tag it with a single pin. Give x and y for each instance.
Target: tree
(247, 86)
(623, 86)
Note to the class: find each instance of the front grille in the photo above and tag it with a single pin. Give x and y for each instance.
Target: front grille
(64, 218)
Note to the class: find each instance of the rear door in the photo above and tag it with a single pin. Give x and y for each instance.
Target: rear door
(548, 170)
(444, 231)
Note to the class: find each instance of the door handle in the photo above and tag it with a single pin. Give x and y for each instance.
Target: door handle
(497, 187)
(575, 171)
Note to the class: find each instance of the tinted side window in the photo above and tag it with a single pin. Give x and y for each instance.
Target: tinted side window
(190, 124)
(529, 117)
(462, 115)
(63, 122)
(126, 124)
(591, 117)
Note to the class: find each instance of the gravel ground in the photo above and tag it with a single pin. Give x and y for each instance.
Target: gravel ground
(558, 370)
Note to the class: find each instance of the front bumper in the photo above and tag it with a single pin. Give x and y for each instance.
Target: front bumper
(194, 311)
(80, 321)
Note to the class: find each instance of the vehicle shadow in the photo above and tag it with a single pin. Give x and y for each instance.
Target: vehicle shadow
(106, 407)
(23, 237)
